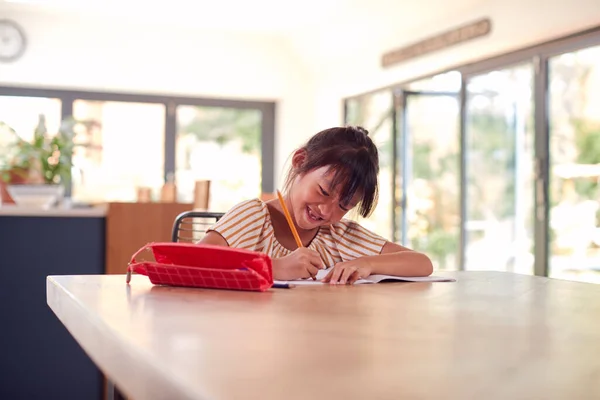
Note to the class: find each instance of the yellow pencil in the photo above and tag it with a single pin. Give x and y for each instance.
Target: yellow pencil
(289, 220)
(288, 217)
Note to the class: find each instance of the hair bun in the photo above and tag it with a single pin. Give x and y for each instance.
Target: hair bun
(362, 130)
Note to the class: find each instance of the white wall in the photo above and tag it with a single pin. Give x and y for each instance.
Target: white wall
(515, 24)
(98, 53)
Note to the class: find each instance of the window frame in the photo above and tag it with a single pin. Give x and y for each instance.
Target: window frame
(68, 97)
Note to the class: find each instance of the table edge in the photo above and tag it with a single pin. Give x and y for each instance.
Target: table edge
(110, 353)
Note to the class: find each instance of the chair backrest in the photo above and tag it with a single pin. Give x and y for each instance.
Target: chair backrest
(190, 226)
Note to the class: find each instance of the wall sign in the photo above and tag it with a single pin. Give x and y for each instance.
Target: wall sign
(438, 42)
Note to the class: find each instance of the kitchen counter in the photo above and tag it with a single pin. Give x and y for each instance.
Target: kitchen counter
(40, 359)
(23, 211)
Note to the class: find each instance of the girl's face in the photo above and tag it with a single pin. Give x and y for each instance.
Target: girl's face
(315, 203)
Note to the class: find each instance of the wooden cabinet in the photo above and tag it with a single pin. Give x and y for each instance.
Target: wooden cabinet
(129, 226)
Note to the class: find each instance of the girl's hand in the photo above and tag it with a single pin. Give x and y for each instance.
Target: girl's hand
(302, 263)
(348, 272)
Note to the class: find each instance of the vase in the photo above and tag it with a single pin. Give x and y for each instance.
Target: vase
(5, 197)
(36, 195)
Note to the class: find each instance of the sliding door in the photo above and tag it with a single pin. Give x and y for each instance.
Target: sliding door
(574, 142)
(428, 169)
(499, 170)
(375, 113)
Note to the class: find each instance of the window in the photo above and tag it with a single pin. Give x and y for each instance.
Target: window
(139, 140)
(526, 195)
(22, 114)
(221, 145)
(124, 151)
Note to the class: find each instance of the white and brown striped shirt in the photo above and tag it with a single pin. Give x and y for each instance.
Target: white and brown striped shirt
(248, 226)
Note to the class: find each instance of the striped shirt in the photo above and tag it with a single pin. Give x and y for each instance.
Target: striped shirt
(248, 226)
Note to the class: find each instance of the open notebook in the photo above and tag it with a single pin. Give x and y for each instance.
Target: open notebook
(372, 279)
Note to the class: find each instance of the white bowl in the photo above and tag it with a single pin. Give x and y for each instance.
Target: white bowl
(38, 196)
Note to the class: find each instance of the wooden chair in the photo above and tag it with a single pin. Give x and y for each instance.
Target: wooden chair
(190, 226)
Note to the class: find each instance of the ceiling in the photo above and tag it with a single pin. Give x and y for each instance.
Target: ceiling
(275, 16)
(317, 29)
(239, 15)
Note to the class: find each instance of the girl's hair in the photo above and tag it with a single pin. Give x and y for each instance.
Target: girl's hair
(353, 160)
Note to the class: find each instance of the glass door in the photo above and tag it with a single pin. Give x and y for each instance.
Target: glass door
(428, 172)
(500, 158)
(374, 112)
(574, 117)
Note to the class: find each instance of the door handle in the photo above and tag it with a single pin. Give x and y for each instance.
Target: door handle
(540, 190)
(540, 197)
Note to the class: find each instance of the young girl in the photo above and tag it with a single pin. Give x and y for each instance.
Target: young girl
(333, 173)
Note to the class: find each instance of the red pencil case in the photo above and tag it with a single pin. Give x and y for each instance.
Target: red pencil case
(205, 266)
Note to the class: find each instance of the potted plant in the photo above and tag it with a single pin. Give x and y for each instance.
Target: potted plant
(46, 160)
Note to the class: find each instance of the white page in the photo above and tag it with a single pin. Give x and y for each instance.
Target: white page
(372, 279)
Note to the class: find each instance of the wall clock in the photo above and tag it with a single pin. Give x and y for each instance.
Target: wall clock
(12, 41)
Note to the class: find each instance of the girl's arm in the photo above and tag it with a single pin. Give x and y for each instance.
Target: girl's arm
(399, 261)
(302, 263)
(394, 260)
(214, 238)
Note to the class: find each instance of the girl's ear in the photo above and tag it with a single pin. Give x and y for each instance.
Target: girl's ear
(299, 158)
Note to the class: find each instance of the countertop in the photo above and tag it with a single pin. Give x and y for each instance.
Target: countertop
(9, 210)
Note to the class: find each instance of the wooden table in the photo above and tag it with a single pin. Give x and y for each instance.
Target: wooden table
(489, 335)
